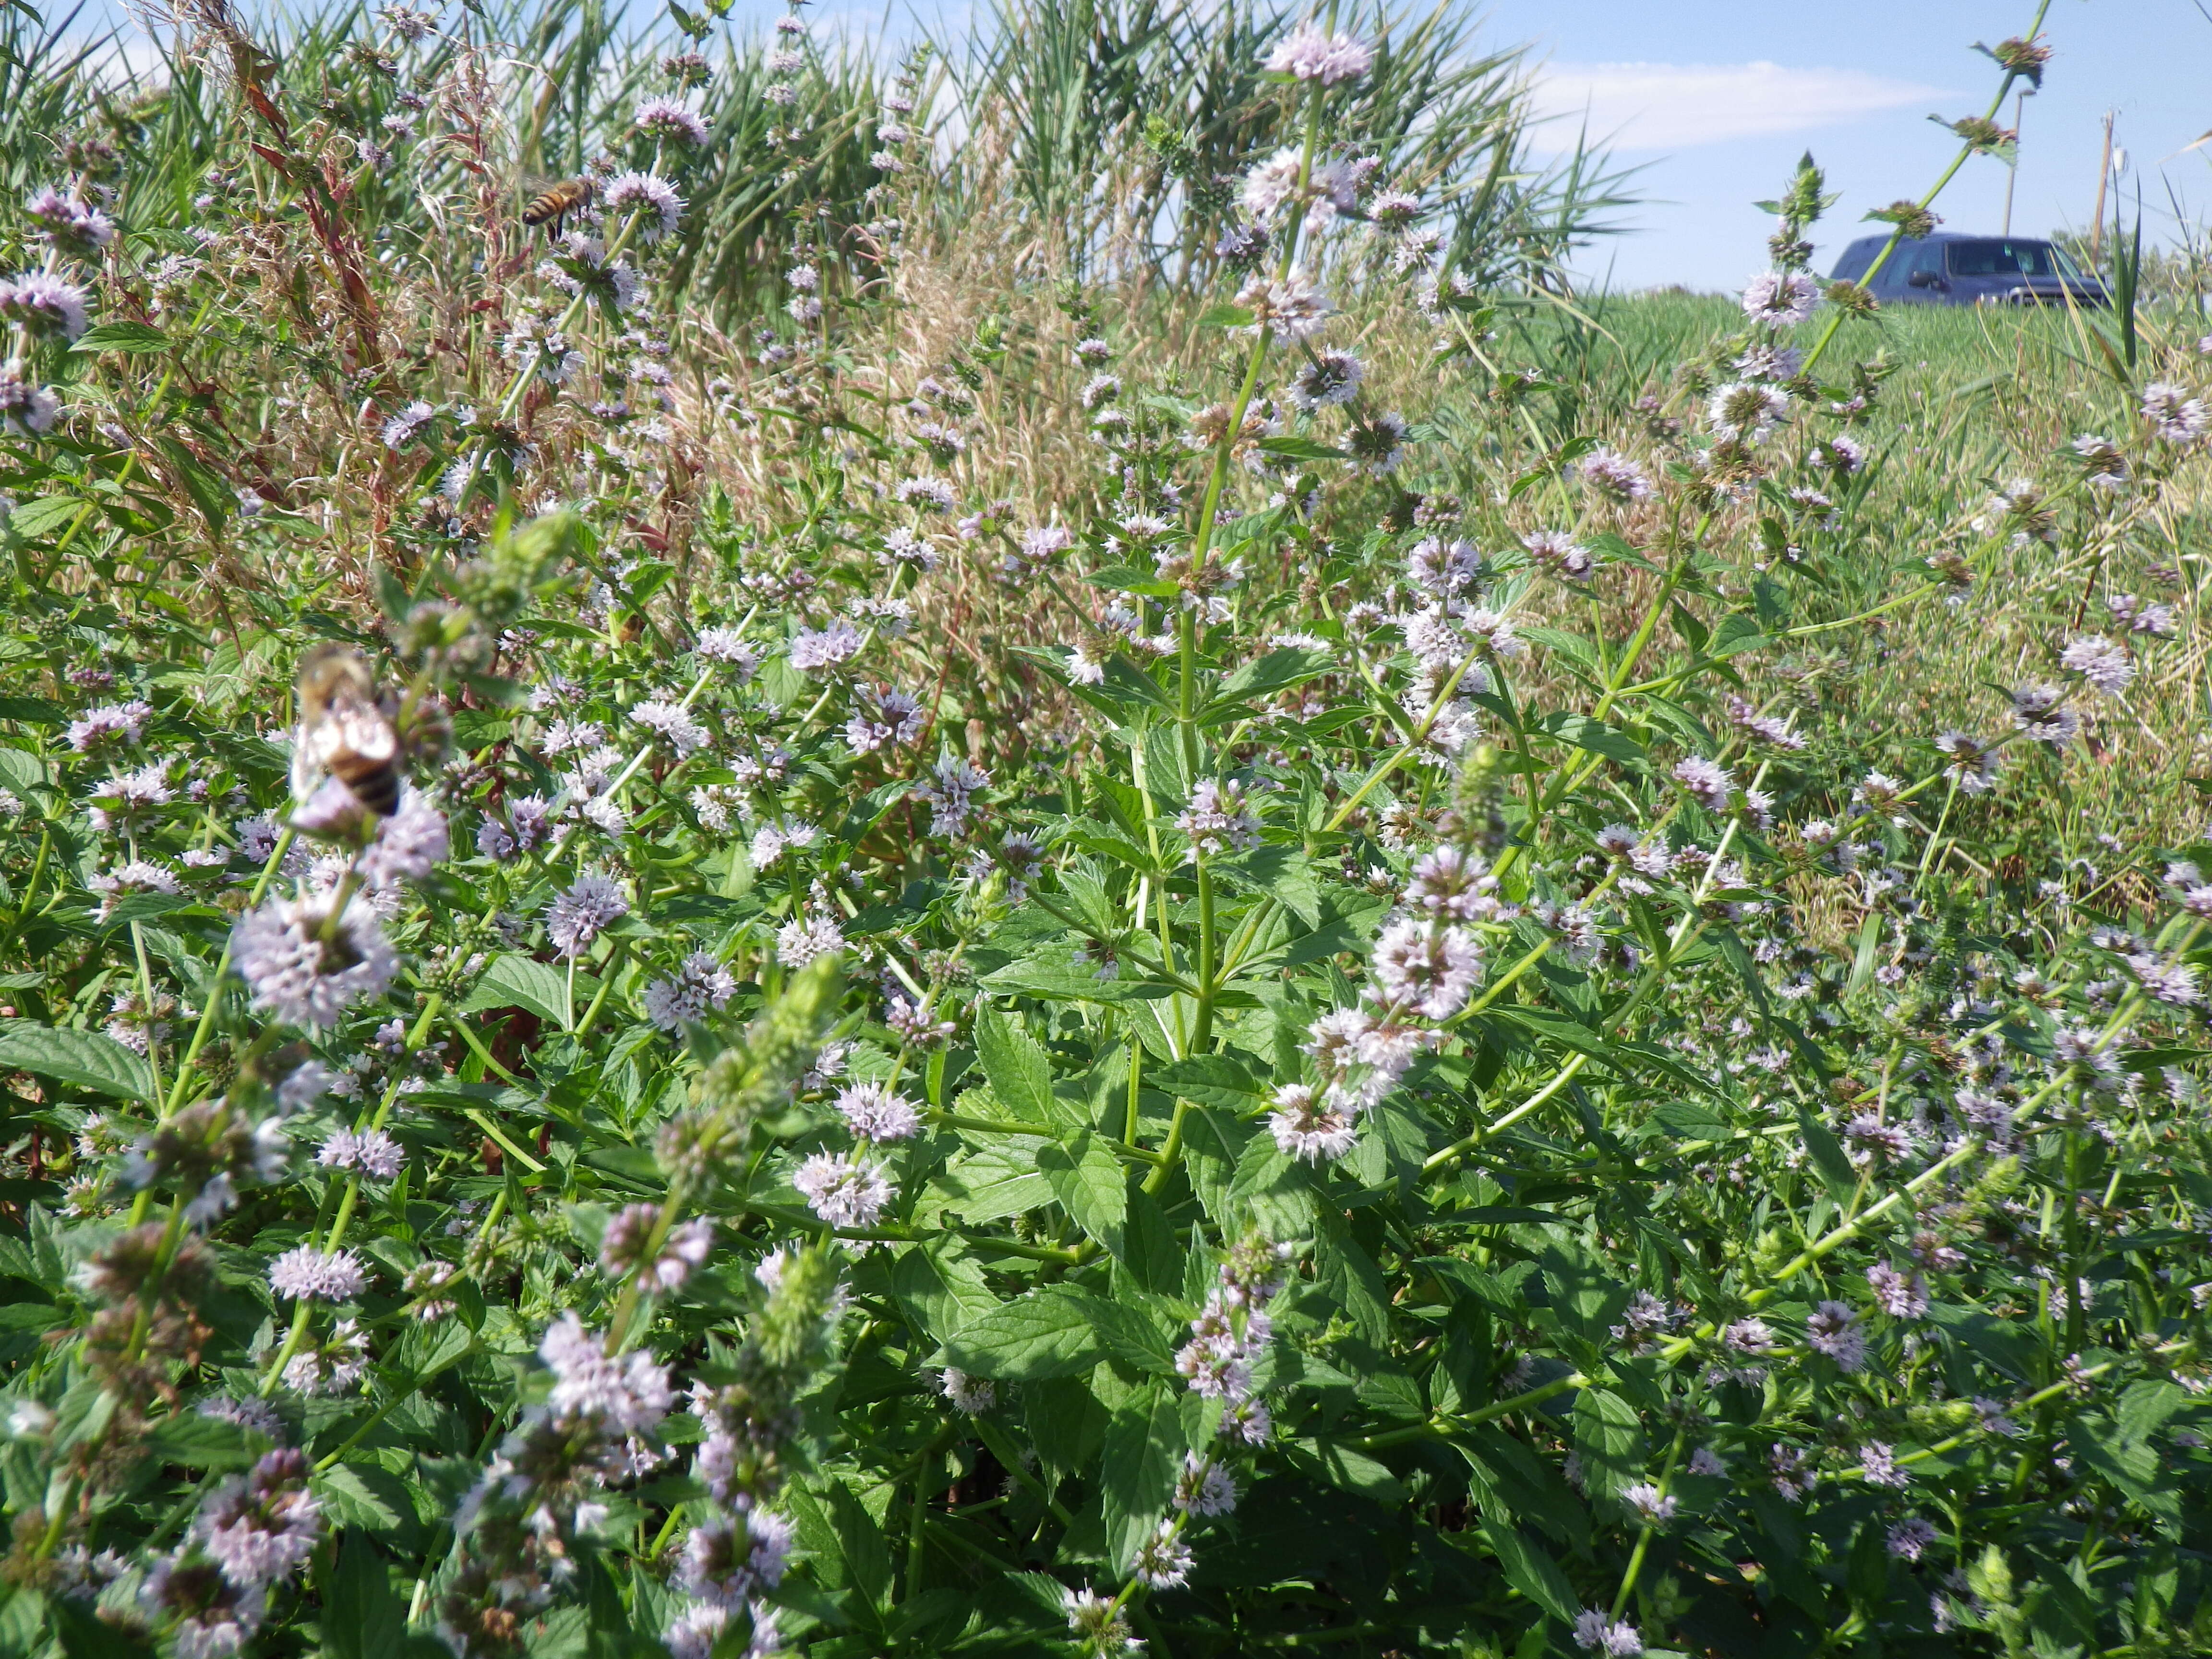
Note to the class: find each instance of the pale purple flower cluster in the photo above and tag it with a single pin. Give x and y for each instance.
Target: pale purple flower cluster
(45, 304)
(663, 117)
(1219, 819)
(1312, 53)
(108, 726)
(305, 971)
(1293, 306)
(1231, 1334)
(372, 1151)
(2175, 416)
(699, 984)
(576, 917)
(305, 1273)
(648, 195)
(1833, 1330)
(71, 223)
(872, 1111)
(950, 791)
(814, 650)
(801, 940)
(1781, 297)
(408, 844)
(625, 1247)
(673, 723)
(2106, 667)
(885, 717)
(1614, 477)
(845, 1191)
(1598, 1633)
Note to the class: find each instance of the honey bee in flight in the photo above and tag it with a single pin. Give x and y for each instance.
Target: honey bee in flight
(345, 731)
(555, 202)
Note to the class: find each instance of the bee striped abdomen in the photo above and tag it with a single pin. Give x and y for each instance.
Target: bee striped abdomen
(557, 202)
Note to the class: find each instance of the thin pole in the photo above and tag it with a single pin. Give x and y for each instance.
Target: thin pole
(2019, 104)
(2104, 178)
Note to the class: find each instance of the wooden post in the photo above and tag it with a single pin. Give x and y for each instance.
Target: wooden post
(2012, 177)
(2104, 178)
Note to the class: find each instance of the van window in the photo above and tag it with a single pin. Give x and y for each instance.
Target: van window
(1928, 256)
(2002, 258)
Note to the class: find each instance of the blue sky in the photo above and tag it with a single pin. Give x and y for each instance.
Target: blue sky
(1714, 100)
(1718, 97)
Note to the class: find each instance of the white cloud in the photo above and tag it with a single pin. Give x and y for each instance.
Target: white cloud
(1639, 106)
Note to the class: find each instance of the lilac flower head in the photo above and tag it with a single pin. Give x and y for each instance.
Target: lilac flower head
(1331, 379)
(1293, 306)
(2176, 416)
(1428, 968)
(699, 985)
(305, 1273)
(800, 940)
(68, 222)
(260, 1527)
(872, 1112)
(299, 976)
(2037, 710)
(625, 1247)
(109, 726)
(1705, 781)
(668, 118)
(401, 428)
(26, 408)
(814, 650)
(44, 305)
(1595, 1633)
(372, 1151)
(1780, 297)
(1833, 1330)
(1219, 819)
(1311, 53)
(627, 1395)
(577, 917)
(1614, 477)
(2104, 665)
(843, 1191)
(950, 790)
(649, 195)
(1304, 1128)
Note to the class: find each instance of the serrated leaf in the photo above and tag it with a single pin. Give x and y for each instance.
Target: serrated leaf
(211, 491)
(941, 1291)
(1053, 1331)
(38, 519)
(1346, 1468)
(363, 1617)
(1088, 1180)
(203, 1442)
(514, 980)
(1595, 737)
(998, 1180)
(1210, 1080)
(1826, 1153)
(1530, 1570)
(363, 1495)
(1608, 1438)
(126, 336)
(1019, 1071)
(1303, 449)
(1142, 1457)
(87, 1059)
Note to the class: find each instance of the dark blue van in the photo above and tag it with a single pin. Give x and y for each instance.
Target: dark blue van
(1948, 268)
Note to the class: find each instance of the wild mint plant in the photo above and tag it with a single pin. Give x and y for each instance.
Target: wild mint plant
(670, 1010)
